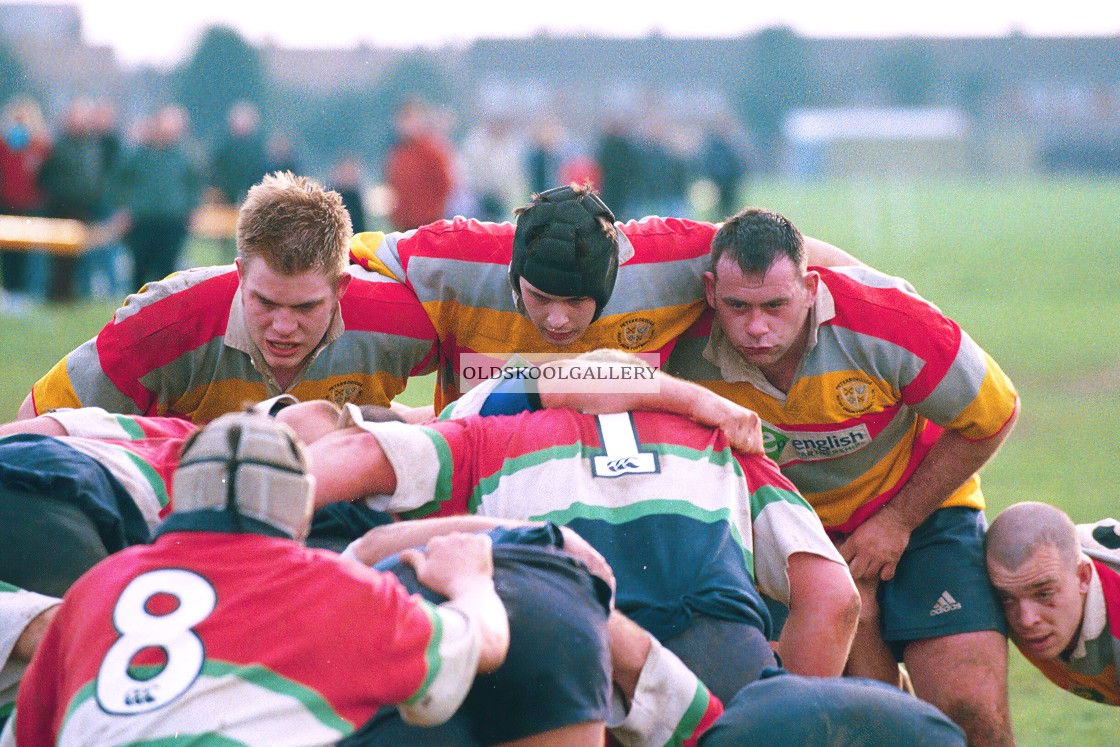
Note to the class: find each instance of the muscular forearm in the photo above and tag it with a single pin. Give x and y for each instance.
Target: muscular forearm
(662, 393)
(949, 463)
(824, 609)
(41, 425)
(480, 602)
(390, 539)
(348, 465)
(823, 254)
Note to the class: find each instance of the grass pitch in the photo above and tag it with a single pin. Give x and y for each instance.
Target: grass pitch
(1024, 266)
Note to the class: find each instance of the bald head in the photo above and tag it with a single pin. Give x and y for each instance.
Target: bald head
(310, 420)
(1022, 529)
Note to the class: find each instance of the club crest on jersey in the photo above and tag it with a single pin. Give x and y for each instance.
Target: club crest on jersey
(855, 395)
(633, 334)
(344, 391)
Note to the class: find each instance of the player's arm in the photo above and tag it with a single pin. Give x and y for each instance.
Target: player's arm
(27, 408)
(349, 464)
(578, 384)
(822, 254)
(873, 549)
(25, 617)
(385, 541)
(43, 425)
(460, 567)
(823, 612)
(89, 376)
(32, 635)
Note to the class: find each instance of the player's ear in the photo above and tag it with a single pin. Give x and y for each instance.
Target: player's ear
(710, 288)
(1084, 574)
(812, 283)
(342, 284)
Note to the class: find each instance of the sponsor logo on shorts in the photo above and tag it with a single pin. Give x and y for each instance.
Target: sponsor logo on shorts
(633, 334)
(945, 603)
(344, 391)
(811, 446)
(855, 395)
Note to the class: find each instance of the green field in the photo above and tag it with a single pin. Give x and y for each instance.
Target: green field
(1023, 266)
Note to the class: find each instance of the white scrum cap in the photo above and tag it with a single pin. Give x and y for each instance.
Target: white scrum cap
(249, 464)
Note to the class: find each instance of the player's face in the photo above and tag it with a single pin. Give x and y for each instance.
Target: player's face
(765, 317)
(1044, 599)
(287, 315)
(561, 320)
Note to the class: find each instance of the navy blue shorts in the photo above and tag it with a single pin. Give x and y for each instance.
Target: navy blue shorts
(941, 585)
(557, 672)
(724, 654)
(788, 710)
(60, 513)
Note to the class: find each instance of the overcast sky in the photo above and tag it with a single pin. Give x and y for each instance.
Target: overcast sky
(162, 33)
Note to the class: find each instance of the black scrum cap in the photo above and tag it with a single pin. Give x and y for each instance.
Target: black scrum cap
(561, 248)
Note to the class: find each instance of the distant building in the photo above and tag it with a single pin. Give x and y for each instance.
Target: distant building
(60, 65)
(877, 142)
(1011, 104)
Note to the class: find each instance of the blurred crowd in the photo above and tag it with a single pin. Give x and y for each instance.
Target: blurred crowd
(149, 184)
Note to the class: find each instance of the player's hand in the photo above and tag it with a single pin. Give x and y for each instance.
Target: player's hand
(742, 427)
(372, 547)
(453, 564)
(581, 550)
(873, 549)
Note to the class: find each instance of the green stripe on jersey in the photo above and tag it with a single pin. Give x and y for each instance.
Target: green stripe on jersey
(488, 485)
(431, 655)
(256, 675)
(151, 477)
(691, 719)
(651, 507)
(768, 494)
(131, 427)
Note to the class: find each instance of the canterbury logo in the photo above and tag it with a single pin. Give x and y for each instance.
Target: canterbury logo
(945, 603)
(623, 452)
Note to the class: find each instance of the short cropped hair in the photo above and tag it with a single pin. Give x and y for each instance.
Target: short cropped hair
(1019, 531)
(379, 414)
(295, 225)
(756, 238)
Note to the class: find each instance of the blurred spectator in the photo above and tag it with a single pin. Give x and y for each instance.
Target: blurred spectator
(665, 174)
(346, 179)
(724, 160)
(493, 161)
(417, 170)
(100, 270)
(543, 159)
(620, 166)
(24, 145)
(240, 161)
(72, 179)
(281, 154)
(160, 186)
